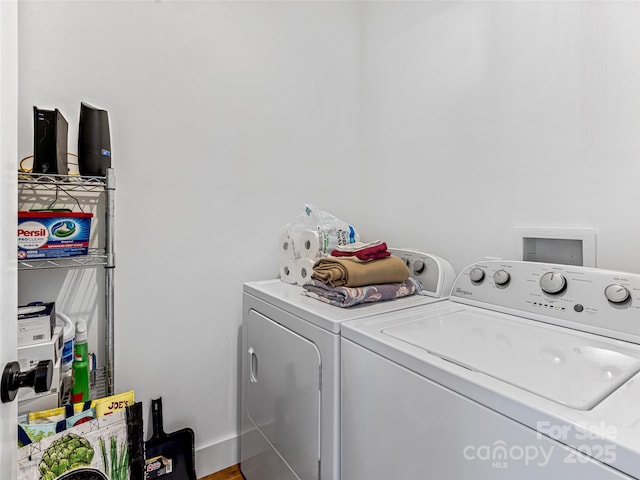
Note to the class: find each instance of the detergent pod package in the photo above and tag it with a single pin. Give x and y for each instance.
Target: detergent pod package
(53, 234)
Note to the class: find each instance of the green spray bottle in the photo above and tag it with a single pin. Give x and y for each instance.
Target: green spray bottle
(80, 365)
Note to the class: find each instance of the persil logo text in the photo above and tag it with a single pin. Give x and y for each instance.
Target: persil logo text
(32, 235)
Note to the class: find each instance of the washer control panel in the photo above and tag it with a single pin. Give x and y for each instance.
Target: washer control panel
(599, 301)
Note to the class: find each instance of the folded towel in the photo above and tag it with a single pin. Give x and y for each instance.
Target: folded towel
(365, 253)
(347, 272)
(350, 296)
(354, 247)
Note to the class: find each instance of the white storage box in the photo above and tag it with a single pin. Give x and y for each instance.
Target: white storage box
(36, 323)
(30, 355)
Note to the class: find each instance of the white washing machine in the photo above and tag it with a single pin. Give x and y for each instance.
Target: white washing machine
(290, 386)
(527, 371)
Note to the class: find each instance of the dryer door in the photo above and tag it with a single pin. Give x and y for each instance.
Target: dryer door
(283, 392)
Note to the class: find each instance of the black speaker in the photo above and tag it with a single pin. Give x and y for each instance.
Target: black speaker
(94, 141)
(50, 139)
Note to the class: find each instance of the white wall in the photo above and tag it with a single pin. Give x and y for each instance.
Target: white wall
(481, 116)
(226, 118)
(434, 125)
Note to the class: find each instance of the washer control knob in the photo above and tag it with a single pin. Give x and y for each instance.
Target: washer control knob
(501, 277)
(476, 274)
(553, 283)
(616, 293)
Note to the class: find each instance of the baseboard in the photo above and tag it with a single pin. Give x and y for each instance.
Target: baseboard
(217, 456)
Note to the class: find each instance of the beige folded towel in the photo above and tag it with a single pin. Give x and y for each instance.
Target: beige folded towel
(347, 272)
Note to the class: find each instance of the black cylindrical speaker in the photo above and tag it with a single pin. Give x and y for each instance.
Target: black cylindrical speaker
(94, 141)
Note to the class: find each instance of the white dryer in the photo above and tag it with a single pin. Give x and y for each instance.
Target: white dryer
(527, 371)
(290, 386)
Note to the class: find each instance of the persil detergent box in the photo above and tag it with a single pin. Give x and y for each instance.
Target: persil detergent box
(47, 234)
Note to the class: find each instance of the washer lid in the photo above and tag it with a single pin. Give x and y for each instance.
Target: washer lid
(575, 370)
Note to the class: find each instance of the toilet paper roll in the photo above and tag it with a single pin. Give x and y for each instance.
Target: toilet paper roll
(321, 242)
(304, 269)
(309, 244)
(288, 270)
(286, 245)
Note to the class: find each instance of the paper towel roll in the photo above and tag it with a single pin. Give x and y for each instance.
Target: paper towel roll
(288, 270)
(286, 245)
(304, 269)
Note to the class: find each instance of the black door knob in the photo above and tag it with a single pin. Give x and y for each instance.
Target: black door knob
(38, 378)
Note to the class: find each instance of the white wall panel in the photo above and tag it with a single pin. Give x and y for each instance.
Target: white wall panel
(226, 117)
(481, 116)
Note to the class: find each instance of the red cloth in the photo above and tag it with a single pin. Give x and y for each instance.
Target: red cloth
(369, 253)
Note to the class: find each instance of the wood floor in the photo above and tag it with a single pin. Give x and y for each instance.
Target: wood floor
(231, 473)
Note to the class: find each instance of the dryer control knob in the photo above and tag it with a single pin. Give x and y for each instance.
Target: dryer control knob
(419, 267)
(476, 274)
(616, 293)
(501, 277)
(553, 283)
